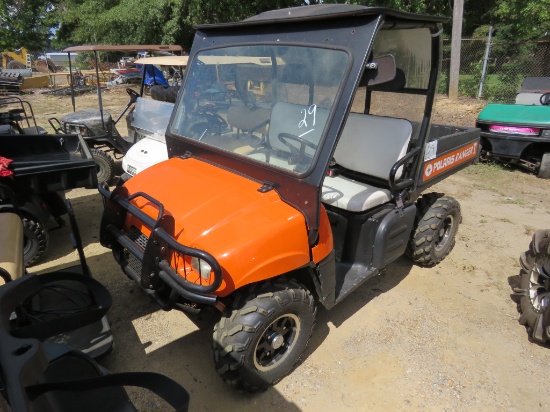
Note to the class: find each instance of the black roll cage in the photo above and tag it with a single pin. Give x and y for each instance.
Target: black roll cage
(339, 31)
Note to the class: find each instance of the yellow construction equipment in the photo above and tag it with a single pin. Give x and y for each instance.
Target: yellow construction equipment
(23, 60)
(16, 60)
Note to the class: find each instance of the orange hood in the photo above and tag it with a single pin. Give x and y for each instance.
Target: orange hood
(253, 235)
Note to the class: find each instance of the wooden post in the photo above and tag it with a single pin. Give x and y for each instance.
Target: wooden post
(458, 10)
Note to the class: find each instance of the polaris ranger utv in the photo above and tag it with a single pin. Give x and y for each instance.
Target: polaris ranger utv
(301, 199)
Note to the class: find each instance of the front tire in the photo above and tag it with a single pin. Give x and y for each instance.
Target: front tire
(35, 241)
(544, 169)
(534, 302)
(437, 220)
(105, 166)
(260, 340)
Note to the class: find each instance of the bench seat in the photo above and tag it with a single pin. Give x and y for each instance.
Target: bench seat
(348, 194)
(369, 145)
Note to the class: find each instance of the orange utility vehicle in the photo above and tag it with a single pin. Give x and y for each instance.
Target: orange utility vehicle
(299, 148)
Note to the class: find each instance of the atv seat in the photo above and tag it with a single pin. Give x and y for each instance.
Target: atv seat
(248, 120)
(528, 99)
(11, 246)
(34, 130)
(369, 145)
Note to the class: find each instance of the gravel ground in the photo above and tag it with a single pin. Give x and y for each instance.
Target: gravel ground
(444, 338)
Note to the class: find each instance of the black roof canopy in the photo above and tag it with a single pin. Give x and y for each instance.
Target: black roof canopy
(535, 85)
(323, 12)
(348, 28)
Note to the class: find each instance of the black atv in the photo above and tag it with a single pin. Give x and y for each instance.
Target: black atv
(100, 133)
(96, 124)
(43, 166)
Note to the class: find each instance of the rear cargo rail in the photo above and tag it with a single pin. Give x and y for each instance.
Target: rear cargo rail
(144, 259)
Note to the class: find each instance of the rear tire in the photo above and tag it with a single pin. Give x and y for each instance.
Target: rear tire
(105, 166)
(35, 241)
(534, 304)
(437, 220)
(544, 169)
(14, 64)
(261, 339)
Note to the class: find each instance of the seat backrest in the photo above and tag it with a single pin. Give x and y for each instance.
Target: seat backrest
(11, 245)
(246, 119)
(528, 99)
(372, 144)
(303, 121)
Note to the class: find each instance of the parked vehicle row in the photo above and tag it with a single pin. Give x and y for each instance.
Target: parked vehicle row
(273, 183)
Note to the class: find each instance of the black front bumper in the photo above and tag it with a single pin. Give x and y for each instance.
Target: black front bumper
(510, 146)
(146, 259)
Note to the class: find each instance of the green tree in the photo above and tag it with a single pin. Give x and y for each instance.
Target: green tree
(149, 21)
(26, 23)
(522, 19)
(172, 21)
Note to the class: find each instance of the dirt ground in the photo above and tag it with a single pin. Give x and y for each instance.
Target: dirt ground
(445, 338)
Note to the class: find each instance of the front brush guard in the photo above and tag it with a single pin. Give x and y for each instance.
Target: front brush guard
(155, 268)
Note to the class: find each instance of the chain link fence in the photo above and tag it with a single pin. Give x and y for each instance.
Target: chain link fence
(507, 65)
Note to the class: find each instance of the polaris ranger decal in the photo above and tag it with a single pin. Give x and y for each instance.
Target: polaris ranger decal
(449, 160)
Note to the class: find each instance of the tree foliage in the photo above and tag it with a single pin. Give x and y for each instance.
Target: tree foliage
(25, 23)
(522, 19)
(150, 21)
(28, 23)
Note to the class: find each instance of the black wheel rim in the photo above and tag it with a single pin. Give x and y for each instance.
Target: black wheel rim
(444, 233)
(539, 284)
(276, 342)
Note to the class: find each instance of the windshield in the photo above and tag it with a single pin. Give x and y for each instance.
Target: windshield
(268, 103)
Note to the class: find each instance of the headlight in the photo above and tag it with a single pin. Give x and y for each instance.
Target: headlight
(78, 129)
(525, 131)
(201, 267)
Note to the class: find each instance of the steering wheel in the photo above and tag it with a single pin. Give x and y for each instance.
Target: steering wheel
(545, 99)
(211, 122)
(303, 143)
(133, 95)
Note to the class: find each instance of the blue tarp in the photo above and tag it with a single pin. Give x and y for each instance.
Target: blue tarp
(153, 75)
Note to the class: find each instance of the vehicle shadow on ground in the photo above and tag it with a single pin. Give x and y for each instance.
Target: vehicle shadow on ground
(359, 298)
(118, 169)
(170, 343)
(514, 283)
(88, 210)
(138, 326)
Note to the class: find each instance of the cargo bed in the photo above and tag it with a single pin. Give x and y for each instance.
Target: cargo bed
(49, 163)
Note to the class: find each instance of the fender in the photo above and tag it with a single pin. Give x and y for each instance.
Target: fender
(32, 206)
